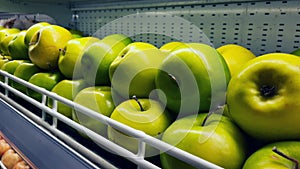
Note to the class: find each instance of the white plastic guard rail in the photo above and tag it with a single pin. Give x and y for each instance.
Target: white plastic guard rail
(143, 138)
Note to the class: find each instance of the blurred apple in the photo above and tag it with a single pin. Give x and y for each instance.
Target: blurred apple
(76, 33)
(67, 89)
(46, 80)
(10, 67)
(7, 31)
(17, 48)
(98, 56)
(10, 158)
(212, 137)
(99, 99)
(4, 146)
(24, 71)
(32, 30)
(46, 44)
(5, 43)
(146, 115)
(69, 62)
(133, 72)
(296, 52)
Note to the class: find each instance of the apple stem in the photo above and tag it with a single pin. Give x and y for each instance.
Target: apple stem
(296, 162)
(139, 103)
(207, 116)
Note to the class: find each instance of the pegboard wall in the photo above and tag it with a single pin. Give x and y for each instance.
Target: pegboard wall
(262, 26)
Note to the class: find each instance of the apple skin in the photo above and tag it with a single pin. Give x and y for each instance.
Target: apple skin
(218, 141)
(67, 89)
(133, 72)
(10, 67)
(154, 119)
(265, 158)
(98, 56)
(76, 33)
(46, 80)
(45, 46)
(17, 48)
(193, 78)
(5, 43)
(70, 57)
(32, 30)
(296, 52)
(96, 98)
(263, 97)
(24, 71)
(168, 47)
(235, 56)
(7, 31)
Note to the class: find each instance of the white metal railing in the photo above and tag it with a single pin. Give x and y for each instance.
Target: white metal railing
(143, 138)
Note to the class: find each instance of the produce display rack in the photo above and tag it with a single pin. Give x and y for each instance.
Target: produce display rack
(52, 141)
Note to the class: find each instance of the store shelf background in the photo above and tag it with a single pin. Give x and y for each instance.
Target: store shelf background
(262, 27)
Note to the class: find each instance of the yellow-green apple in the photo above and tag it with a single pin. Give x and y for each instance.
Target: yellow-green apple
(193, 78)
(69, 62)
(7, 31)
(76, 33)
(97, 58)
(263, 97)
(146, 115)
(5, 42)
(68, 89)
(32, 30)
(46, 80)
(168, 47)
(24, 71)
(277, 155)
(17, 48)
(45, 46)
(133, 72)
(98, 99)
(210, 136)
(10, 67)
(235, 56)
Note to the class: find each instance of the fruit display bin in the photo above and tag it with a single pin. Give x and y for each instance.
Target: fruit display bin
(259, 25)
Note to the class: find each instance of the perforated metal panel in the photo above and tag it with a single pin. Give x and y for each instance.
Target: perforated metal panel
(262, 27)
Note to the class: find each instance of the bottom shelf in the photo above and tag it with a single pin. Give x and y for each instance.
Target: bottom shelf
(37, 144)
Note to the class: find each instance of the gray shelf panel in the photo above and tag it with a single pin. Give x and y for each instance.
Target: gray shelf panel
(35, 143)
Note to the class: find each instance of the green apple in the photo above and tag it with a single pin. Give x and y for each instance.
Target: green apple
(212, 137)
(263, 97)
(5, 43)
(277, 155)
(133, 72)
(235, 56)
(76, 33)
(17, 48)
(97, 58)
(3, 61)
(193, 78)
(46, 80)
(67, 89)
(32, 30)
(146, 115)
(168, 47)
(296, 52)
(96, 98)
(69, 60)
(10, 67)
(45, 46)
(24, 71)
(7, 31)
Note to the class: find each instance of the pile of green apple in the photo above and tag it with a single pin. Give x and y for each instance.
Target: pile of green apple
(225, 105)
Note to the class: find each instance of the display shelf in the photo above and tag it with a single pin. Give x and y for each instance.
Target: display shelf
(113, 150)
(42, 148)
